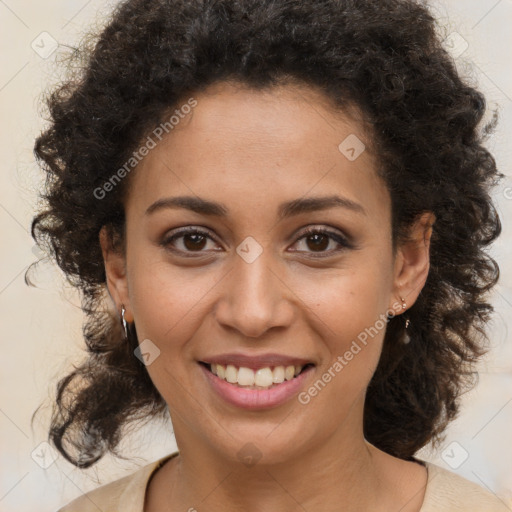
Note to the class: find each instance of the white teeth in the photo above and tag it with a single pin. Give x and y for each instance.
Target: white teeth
(262, 378)
(231, 374)
(278, 374)
(221, 371)
(245, 377)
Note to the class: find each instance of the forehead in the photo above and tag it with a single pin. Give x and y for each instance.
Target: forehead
(261, 147)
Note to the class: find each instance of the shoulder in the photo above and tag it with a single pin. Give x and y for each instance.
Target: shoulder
(126, 494)
(448, 492)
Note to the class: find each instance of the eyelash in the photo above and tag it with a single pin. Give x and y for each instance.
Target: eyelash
(342, 241)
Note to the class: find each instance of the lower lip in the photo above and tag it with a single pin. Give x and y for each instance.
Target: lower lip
(254, 399)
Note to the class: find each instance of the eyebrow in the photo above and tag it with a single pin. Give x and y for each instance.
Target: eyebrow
(285, 210)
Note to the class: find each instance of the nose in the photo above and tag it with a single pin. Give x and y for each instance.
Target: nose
(255, 298)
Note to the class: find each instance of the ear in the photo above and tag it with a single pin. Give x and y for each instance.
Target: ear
(412, 261)
(115, 270)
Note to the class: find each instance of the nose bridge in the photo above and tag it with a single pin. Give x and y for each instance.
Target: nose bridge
(253, 277)
(253, 299)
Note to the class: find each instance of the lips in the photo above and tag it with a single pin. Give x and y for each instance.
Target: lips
(252, 398)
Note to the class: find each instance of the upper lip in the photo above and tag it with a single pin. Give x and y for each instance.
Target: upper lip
(256, 362)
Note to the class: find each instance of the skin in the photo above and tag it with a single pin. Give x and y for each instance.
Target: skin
(252, 150)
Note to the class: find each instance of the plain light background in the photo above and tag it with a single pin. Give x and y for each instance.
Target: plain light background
(40, 327)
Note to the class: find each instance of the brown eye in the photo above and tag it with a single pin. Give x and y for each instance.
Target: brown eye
(188, 240)
(194, 242)
(317, 241)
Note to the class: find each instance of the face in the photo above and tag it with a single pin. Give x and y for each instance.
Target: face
(248, 279)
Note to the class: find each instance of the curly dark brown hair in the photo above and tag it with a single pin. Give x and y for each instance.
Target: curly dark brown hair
(385, 57)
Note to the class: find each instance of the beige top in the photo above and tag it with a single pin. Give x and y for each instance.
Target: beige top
(445, 492)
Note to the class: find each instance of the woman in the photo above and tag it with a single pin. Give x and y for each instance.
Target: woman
(288, 204)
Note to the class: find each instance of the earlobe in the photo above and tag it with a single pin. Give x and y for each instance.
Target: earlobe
(115, 271)
(413, 259)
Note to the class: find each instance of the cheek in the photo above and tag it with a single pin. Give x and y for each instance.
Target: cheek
(351, 327)
(167, 300)
(348, 312)
(348, 299)
(169, 307)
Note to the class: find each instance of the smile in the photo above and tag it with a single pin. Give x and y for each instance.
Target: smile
(263, 378)
(246, 392)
